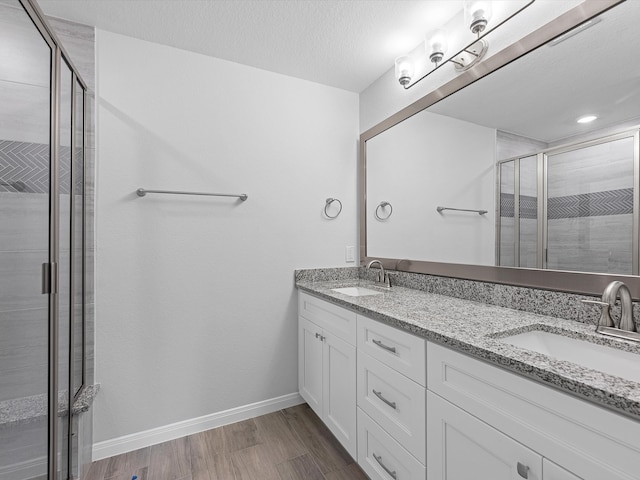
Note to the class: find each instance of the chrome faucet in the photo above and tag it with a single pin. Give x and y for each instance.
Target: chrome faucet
(623, 328)
(383, 277)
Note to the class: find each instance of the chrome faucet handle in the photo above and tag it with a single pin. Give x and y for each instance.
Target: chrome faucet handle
(605, 312)
(596, 302)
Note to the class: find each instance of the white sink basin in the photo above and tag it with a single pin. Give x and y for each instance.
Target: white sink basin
(597, 357)
(356, 291)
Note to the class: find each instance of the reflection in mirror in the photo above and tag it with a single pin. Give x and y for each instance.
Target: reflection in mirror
(560, 194)
(589, 212)
(416, 167)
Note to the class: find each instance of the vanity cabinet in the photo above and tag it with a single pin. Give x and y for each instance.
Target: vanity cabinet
(551, 471)
(485, 422)
(469, 448)
(391, 402)
(414, 409)
(327, 366)
(464, 447)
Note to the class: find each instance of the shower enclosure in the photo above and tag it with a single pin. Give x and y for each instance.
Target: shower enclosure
(572, 208)
(42, 245)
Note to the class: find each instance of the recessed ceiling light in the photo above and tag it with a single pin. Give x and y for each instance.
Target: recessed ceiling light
(587, 119)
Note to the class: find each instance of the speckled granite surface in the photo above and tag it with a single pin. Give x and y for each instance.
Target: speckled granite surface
(33, 408)
(475, 328)
(544, 302)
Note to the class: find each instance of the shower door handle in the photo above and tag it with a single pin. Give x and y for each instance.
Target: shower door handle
(49, 278)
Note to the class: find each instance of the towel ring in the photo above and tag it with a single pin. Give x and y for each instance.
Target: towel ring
(329, 202)
(383, 205)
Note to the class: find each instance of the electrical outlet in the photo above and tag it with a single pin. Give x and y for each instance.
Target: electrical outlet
(350, 254)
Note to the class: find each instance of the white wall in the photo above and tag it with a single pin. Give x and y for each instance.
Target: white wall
(431, 160)
(196, 305)
(385, 96)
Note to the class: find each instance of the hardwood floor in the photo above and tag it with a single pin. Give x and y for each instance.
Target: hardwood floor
(291, 444)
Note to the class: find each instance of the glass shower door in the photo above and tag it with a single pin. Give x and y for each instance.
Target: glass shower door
(65, 290)
(25, 83)
(590, 208)
(506, 234)
(518, 219)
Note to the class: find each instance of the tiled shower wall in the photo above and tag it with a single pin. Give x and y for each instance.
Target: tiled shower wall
(590, 208)
(24, 172)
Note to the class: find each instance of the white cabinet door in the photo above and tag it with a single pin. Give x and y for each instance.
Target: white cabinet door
(339, 390)
(310, 347)
(327, 380)
(551, 471)
(461, 447)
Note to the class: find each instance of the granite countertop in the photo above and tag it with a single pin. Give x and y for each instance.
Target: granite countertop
(475, 329)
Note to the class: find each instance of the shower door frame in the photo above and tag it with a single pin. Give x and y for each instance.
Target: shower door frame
(50, 276)
(542, 184)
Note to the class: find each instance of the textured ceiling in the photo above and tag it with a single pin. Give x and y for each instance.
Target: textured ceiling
(342, 43)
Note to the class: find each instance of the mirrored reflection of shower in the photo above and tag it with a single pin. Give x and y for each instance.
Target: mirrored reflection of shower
(572, 208)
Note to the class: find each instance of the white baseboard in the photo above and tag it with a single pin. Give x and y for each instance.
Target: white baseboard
(128, 443)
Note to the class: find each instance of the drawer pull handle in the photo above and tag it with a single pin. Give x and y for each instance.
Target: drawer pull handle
(382, 345)
(523, 470)
(379, 395)
(320, 337)
(392, 474)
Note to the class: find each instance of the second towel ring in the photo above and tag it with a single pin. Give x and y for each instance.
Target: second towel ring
(383, 205)
(329, 202)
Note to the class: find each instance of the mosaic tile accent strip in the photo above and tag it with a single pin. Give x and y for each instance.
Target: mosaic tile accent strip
(24, 167)
(596, 204)
(612, 202)
(528, 206)
(507, 205)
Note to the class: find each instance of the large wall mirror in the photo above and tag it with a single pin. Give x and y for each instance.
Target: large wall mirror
(494, 178)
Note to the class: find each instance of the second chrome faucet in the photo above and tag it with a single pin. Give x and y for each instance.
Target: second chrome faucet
(625, 327)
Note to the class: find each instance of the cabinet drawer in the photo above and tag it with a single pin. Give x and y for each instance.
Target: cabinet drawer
(400, 350)
(381, 457)
(591, 442)
(395, 402)
(339, 321)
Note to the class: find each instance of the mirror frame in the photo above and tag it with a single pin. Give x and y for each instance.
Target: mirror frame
(573, 282)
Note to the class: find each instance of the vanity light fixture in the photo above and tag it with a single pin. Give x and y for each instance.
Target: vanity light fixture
(437, 45)
(404, 70)
(587, 119)
(477, 15)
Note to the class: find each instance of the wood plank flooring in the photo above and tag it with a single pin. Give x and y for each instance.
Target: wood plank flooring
(291, 444)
